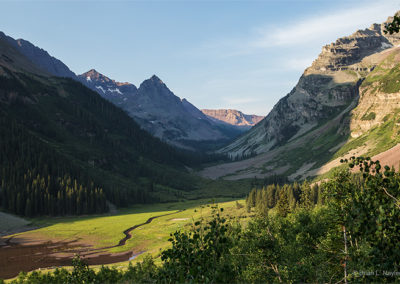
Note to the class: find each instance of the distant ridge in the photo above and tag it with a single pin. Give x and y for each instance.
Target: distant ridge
(233, 117)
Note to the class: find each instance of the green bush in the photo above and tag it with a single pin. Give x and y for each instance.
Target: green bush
(369, 116)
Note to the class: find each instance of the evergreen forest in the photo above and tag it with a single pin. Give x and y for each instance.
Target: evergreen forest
(65, 150)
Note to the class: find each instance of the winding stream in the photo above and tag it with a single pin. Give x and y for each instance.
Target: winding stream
(16, 257)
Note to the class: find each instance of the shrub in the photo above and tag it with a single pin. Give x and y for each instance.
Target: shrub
(369, 116)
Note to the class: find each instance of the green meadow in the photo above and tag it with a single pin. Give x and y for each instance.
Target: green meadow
(104, 231)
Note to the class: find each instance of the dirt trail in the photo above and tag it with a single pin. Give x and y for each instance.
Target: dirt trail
(18, 254)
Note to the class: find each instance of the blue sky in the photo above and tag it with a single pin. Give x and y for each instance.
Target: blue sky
(244, 55)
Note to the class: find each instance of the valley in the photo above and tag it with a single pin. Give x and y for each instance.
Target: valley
(142, 229)
(177, 180)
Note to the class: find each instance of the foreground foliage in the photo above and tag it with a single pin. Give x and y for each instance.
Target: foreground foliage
(352, 237)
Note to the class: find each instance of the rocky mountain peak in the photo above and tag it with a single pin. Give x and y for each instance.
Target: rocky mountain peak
(156, 86)
(93, 75)
(156, 79)
(110, 89)
(92, 72)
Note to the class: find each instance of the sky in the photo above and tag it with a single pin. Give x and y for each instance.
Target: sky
(243, 55)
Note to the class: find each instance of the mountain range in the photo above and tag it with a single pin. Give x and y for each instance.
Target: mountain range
(346, 103)
(152, 105)
(161, 112)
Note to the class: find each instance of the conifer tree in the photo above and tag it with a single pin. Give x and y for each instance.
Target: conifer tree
(282, 205)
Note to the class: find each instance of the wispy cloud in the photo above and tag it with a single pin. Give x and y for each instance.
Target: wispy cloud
(303, 32)
(327, 26)
(271, 57)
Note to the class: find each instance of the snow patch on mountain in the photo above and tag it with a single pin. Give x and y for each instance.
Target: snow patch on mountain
(101, 88)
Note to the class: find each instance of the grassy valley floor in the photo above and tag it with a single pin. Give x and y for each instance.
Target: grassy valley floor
(102, 239)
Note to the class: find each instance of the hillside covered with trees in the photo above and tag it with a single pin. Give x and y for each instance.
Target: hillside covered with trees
(66, 150)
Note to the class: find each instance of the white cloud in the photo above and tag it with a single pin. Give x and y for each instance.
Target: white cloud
(327, 27)
(303, 32)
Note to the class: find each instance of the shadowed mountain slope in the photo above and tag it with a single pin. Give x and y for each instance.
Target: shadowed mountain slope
(62, 146)
(329, 114)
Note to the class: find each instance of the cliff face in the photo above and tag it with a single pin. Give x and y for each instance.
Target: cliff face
(347, 103)
(233, 117)
(379, 95)
(324, 90)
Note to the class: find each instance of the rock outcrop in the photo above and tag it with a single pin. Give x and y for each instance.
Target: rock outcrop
(379, 95)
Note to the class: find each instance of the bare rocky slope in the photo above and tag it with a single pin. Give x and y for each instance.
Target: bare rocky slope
(345, 103)
(233, 117)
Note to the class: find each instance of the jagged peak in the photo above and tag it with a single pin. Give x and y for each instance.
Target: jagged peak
(91, 72)
(94, 74)
(156, 79)
(153, 80)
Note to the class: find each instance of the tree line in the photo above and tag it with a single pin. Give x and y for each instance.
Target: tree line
(285, 198)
